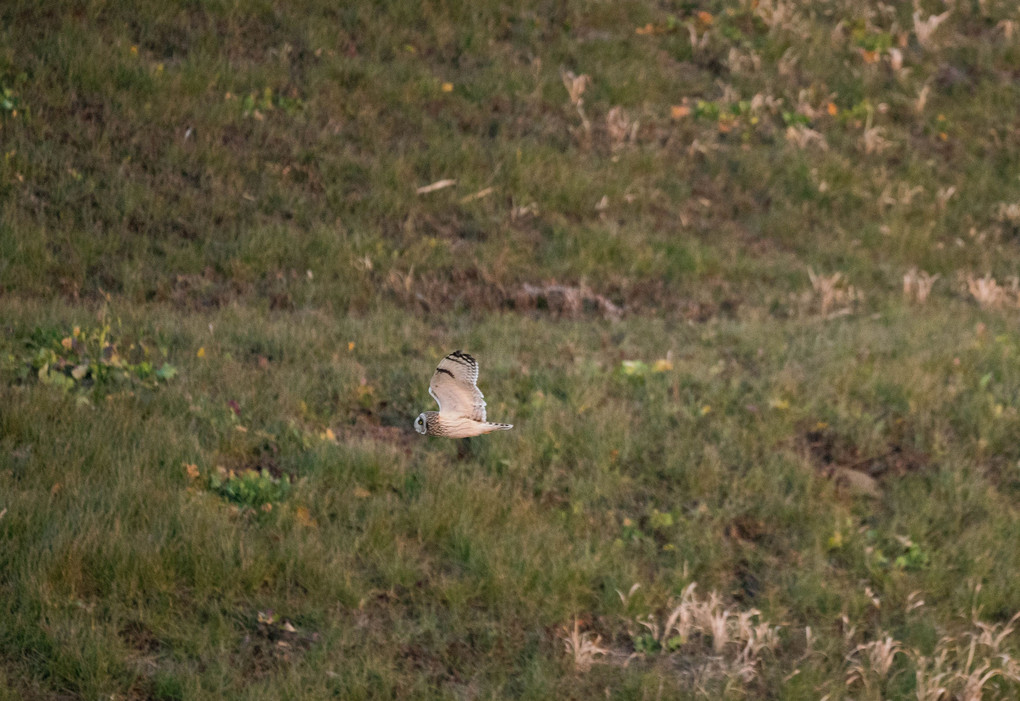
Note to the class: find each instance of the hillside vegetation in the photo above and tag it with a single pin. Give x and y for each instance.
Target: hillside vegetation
(744, 276)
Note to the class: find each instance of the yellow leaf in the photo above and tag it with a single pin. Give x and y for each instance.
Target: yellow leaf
(134, 50)
(832, 109)
(201, 352)
(706, 410)
(350, 345)
(191, 469)
(447, 87)
(362, 493)
(66, 342)
(662, 365)
(705, 18)
(329, 435)
(780, 404)
(77, 331)
(303, 517)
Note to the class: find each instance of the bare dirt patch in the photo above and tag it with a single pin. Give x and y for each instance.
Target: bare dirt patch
(273, 643)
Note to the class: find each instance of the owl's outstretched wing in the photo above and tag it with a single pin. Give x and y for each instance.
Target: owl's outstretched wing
(454, 389)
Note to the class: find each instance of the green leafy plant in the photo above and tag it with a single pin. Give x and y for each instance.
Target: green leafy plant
(10, 103)
(251, 488)
(91, 360)
(256, 104)
(912, 559)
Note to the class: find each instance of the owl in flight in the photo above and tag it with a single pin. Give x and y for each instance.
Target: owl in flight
(461, 405)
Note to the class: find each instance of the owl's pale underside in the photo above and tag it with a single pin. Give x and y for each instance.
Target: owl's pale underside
(461, 405)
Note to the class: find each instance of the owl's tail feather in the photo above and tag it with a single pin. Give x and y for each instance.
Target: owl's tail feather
(498, 427)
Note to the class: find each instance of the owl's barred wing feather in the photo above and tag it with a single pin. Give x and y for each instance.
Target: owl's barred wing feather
(454, 389)
(461, 366)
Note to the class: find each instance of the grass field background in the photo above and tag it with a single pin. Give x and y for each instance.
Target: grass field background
(742, 274)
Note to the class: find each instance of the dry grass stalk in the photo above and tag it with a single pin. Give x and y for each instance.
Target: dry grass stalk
(945, 194)
(764, 102)
(736, 638)
(697, 44)
(831, 293)
(925, 28)
(922, 99)
(719, 644)
(625, 598)
(904, 195)
(959, 668)
(1008, 213)
(917, 285)
(988, 293)
(872, 668)
(780, 16)
(484, 192)
(873, 141)
(576, 85)
(743, 61)
(929, 686)
(438, 185)
(620, 127)
(400, 282)
(788, 63)
(896, 60)
(803, 137)
(582, 647)
(991, 635)
(520, 212)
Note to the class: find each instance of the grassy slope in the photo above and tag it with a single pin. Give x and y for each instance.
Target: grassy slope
(232, 192)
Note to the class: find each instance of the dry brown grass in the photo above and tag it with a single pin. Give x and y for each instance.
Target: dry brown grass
(831, 294)
(583, 647)
(717, 642)
(917, 285)
(989, 294)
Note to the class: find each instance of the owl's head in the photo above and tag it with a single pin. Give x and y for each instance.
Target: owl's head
(420, 424)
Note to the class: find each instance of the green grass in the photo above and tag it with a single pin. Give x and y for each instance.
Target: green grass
(222, 298)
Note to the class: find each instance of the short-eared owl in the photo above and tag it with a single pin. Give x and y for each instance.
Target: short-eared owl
(461, 405)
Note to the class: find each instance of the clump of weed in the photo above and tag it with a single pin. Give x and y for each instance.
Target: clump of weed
(90, 361)
(251, 489)
(728, 641)
(963, 666)
(706, 640)
(10, 103)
